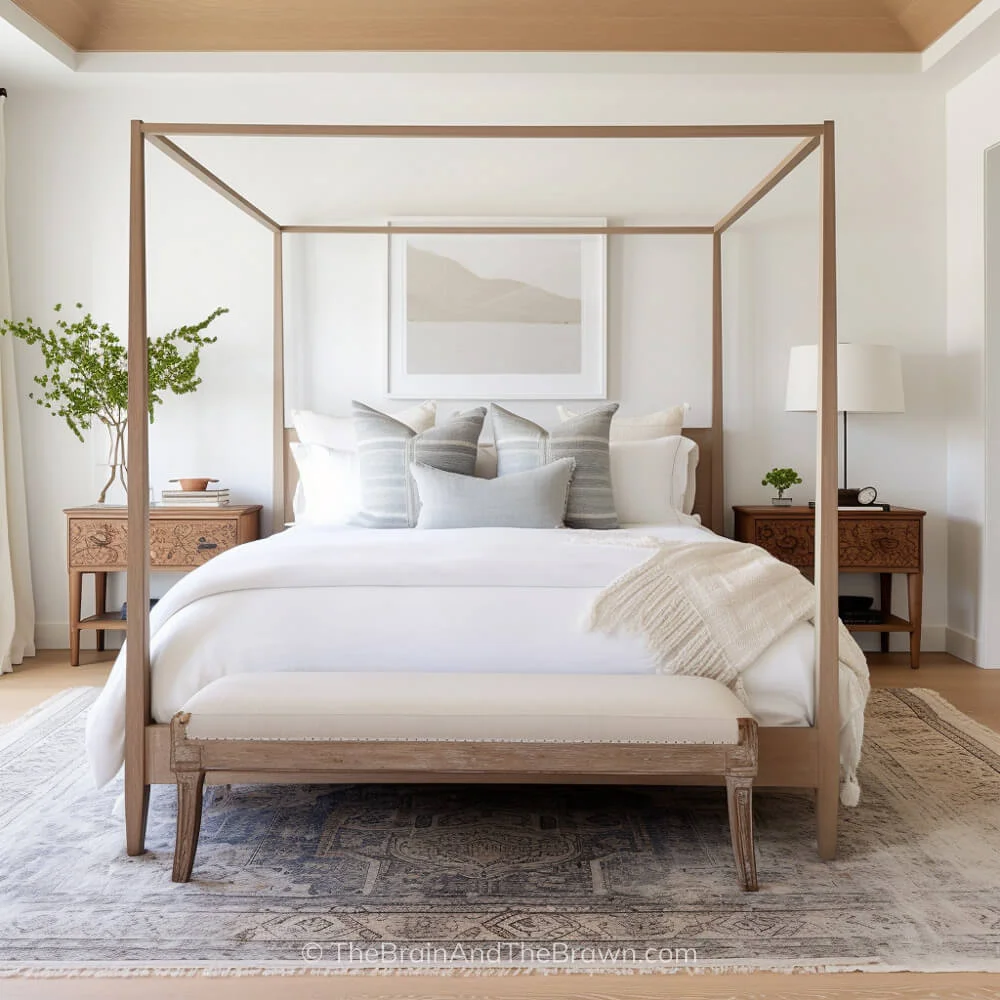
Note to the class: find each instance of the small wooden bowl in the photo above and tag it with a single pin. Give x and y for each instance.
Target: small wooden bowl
(194, 485)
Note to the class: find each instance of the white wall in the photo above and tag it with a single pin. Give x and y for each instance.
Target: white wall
(68, 149)
(973, 126)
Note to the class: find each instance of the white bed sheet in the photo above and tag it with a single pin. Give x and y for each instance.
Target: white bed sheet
(487, 600)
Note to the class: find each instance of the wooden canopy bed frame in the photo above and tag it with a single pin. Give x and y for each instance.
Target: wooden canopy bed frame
(789, 757)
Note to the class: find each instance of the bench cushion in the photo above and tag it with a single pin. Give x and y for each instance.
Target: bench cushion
(469, 707)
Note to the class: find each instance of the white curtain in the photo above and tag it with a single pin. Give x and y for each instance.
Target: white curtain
(17, 609)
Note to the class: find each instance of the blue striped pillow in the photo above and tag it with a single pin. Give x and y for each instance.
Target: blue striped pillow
(387, 449)
(523, 445)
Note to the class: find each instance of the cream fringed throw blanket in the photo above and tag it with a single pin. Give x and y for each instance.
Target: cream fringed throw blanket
(712, 610)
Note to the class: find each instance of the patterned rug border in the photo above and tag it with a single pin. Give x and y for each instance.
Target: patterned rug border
(928, 705)
(82, 692)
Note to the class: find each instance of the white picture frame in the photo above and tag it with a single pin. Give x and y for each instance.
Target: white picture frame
(485, 316)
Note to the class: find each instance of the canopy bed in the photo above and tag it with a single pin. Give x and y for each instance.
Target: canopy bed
(790, 756)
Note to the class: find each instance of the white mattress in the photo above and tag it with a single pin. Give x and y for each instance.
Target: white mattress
(353, 599)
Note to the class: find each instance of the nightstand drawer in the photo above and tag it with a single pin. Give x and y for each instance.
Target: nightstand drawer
(97, 542)
(173, 544)
(184, 543)
(884, 544)
(881, 544)
(790, 541)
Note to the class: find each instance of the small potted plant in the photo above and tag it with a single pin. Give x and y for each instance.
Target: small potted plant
(781, 480)
(86, 378)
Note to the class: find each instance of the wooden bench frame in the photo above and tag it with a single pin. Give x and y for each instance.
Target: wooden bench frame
(191, 759)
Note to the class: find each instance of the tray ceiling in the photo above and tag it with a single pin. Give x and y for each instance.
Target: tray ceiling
(498, 25)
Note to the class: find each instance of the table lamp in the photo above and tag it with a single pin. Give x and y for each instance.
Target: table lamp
(869, 380)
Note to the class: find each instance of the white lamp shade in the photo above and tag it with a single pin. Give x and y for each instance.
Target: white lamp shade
(869, 379)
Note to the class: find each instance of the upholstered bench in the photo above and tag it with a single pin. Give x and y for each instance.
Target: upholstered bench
(466, 728)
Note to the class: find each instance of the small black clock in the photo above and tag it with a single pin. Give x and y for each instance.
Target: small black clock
(863, 497)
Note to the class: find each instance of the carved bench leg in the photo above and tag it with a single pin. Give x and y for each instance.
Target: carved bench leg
(190, 786)
(739, 791)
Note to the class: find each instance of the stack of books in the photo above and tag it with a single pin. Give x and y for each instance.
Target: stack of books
(194, 498)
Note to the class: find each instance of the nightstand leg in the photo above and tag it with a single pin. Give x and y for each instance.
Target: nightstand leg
(915, 584)
(885, 606)
(100, 603)
(75, 603)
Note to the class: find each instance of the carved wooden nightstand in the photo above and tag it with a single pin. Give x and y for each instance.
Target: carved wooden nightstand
(180, 539)
(871, 541)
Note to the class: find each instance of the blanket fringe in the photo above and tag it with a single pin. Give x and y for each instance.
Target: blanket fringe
(712, 611)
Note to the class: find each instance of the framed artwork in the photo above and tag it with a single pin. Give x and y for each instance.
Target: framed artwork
(497, 316)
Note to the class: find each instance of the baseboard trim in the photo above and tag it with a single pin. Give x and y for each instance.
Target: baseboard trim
(965, 647)
(934, 638)
(55, 635)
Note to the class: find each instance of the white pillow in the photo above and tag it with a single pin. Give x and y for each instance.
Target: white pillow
(338, 432)
(334, 479)
(665, 423)
(329, 485)
(653, 481)
(693, 452)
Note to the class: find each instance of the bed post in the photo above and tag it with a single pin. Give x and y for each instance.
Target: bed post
(827, 541)
(137, 633)
(718, 462)
(278, 419)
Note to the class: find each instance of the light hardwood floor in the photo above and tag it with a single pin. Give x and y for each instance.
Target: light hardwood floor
(974, 691)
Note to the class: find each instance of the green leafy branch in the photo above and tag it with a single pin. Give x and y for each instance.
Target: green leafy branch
(86, 375)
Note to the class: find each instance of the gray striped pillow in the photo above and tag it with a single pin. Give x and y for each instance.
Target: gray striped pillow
(387, 448)
(523, 445)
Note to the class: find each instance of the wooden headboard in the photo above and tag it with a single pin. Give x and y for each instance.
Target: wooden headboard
(704, 497)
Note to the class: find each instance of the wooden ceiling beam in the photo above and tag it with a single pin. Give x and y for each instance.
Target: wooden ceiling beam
(925, 21)
(498, 25)
(71, 21)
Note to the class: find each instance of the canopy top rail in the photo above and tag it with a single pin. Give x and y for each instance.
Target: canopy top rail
(489, 131)
(156, 134)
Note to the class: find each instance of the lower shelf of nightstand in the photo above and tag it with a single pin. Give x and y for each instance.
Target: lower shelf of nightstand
(109, 620)
(891, 623)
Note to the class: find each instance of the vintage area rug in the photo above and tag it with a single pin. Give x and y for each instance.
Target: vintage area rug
(365, 878)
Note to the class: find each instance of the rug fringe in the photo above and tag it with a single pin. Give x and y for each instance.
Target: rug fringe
(207, 971)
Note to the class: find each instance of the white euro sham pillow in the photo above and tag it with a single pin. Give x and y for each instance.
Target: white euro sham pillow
(338, 432)
(663, 423)
(329, 486)
(335, 473)
(653, 481)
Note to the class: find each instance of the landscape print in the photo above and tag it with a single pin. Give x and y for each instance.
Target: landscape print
(494, 305)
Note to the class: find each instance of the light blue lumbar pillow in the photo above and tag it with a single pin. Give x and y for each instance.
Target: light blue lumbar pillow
(386, 450)
(522, 444)
(533, 499)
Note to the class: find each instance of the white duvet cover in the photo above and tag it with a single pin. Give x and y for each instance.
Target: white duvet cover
(481, 599)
